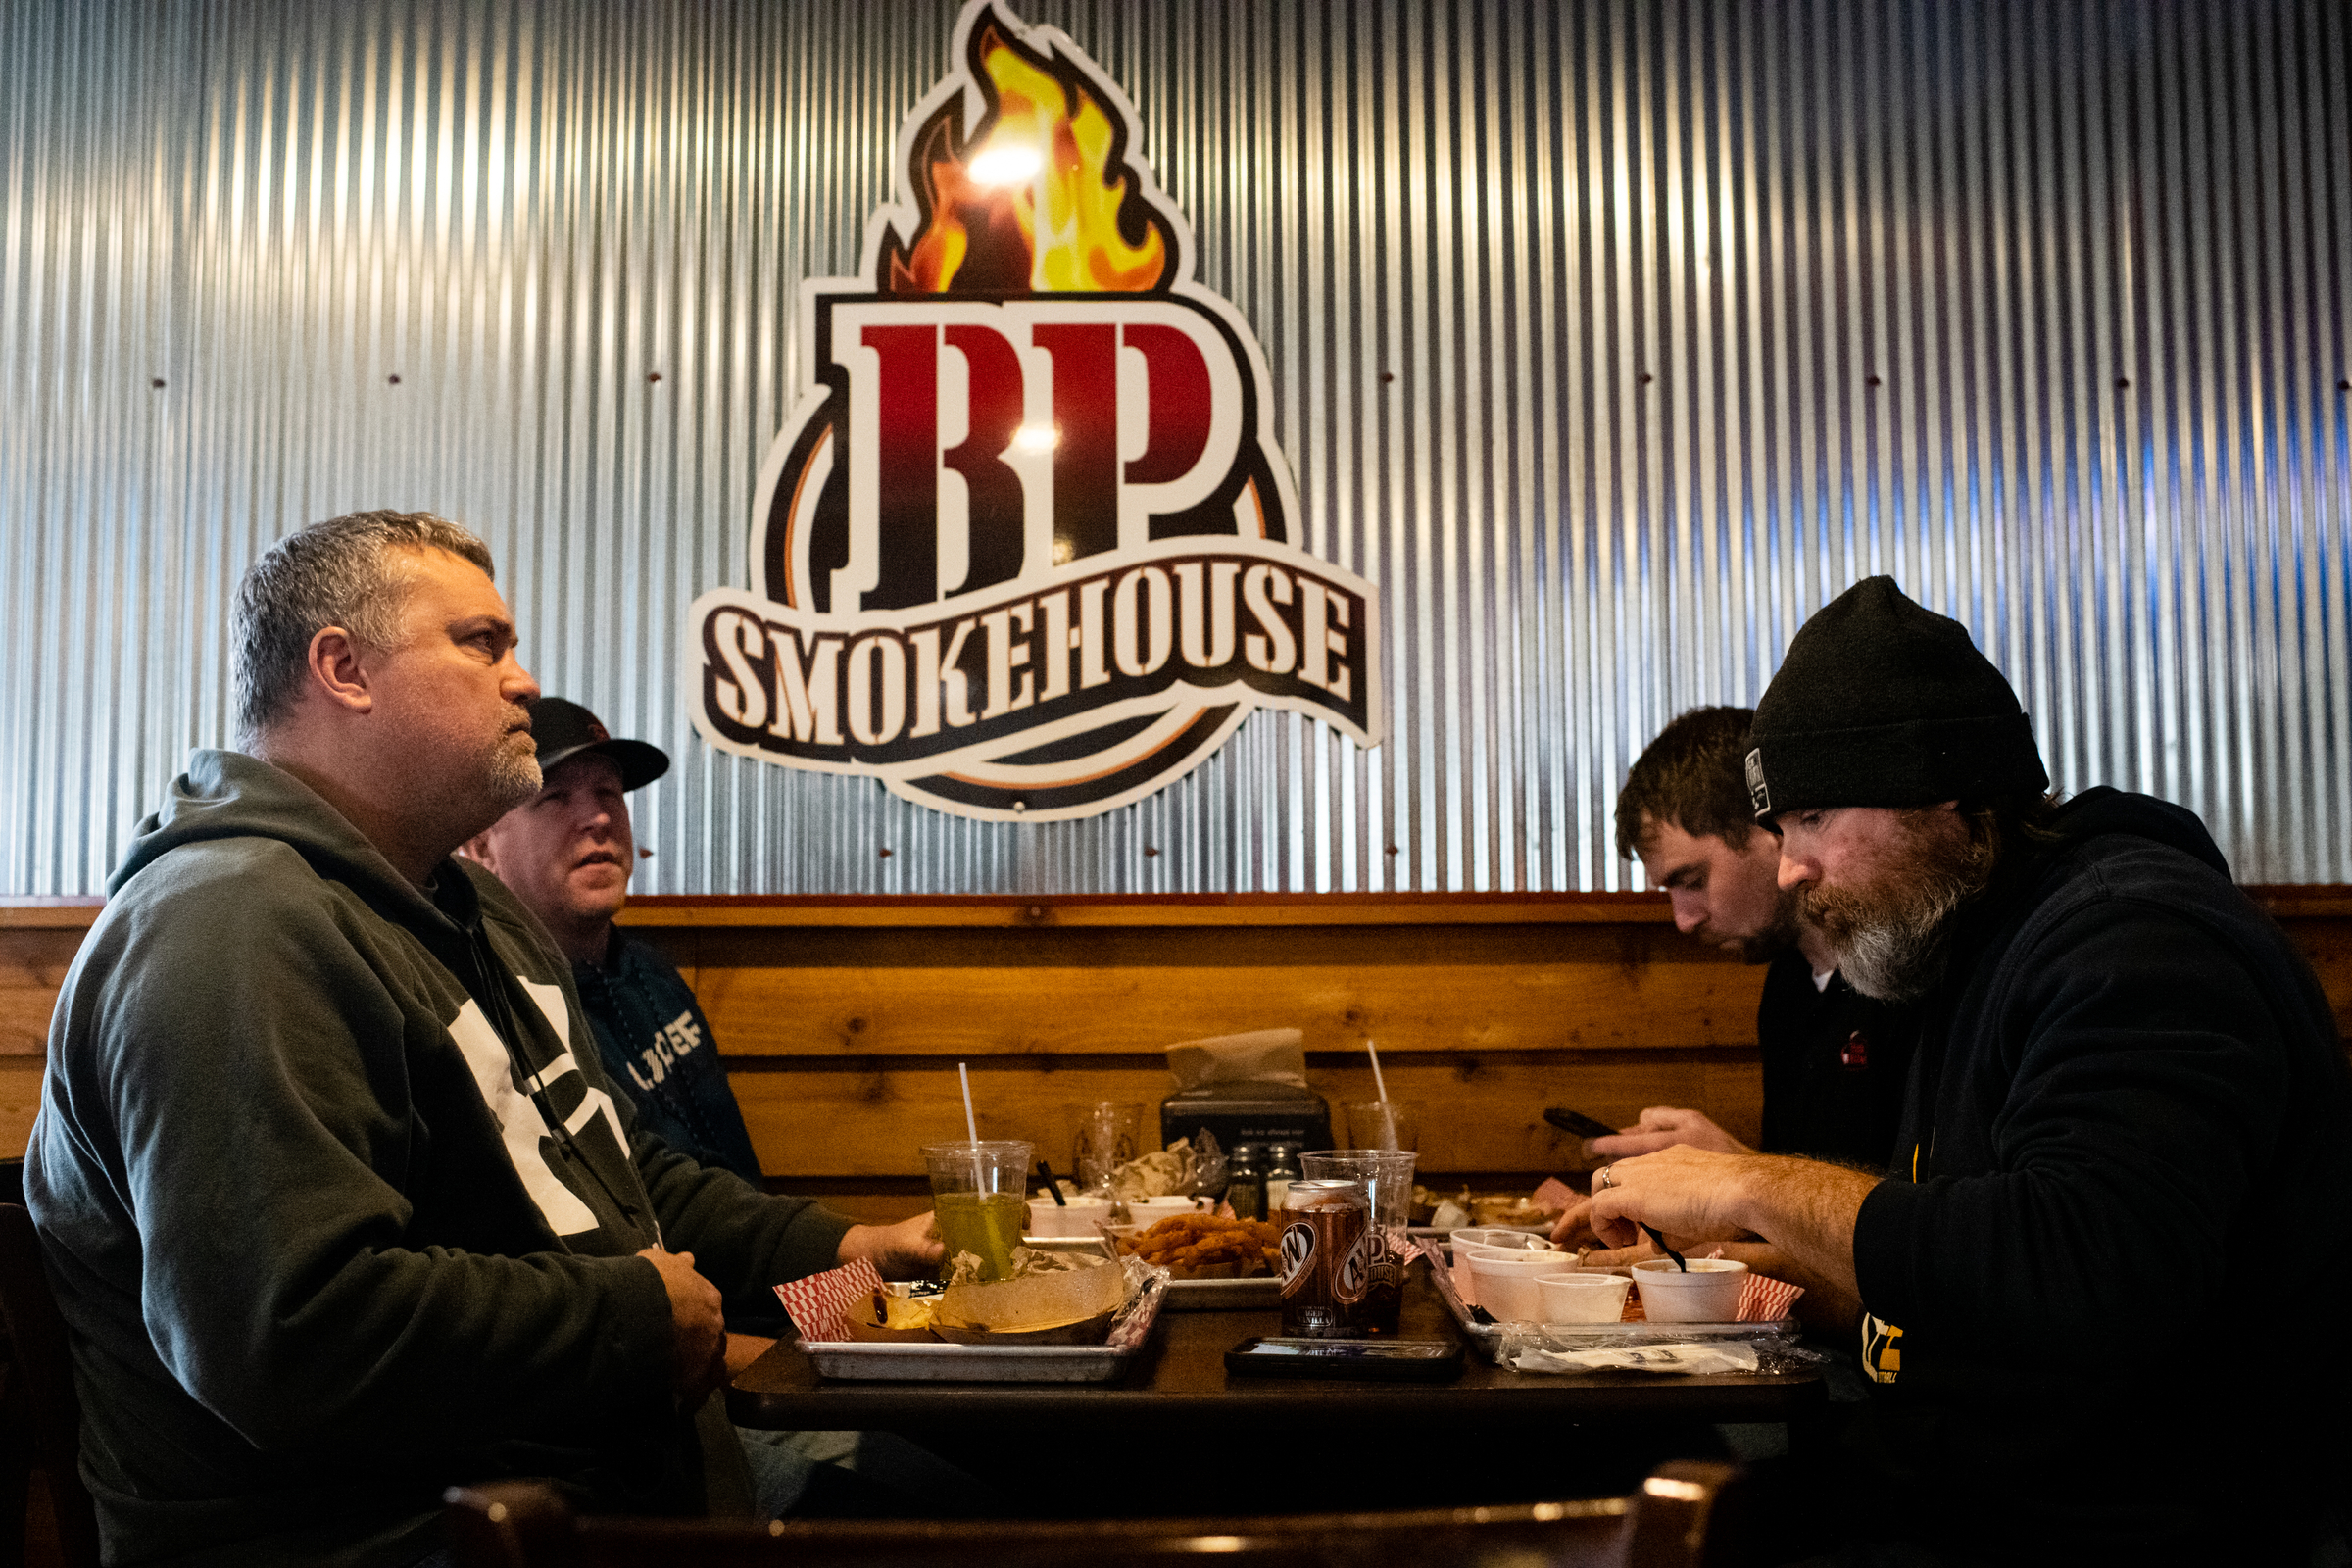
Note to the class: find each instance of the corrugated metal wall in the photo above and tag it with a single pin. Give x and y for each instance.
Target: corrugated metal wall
(1609, 339)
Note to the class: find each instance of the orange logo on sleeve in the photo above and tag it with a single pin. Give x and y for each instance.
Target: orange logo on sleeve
(1881, 1349)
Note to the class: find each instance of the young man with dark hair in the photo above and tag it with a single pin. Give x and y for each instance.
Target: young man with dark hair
(2130, 1099)
(1834, 1059)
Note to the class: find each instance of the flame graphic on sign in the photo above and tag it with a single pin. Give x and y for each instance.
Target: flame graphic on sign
(1038, 201)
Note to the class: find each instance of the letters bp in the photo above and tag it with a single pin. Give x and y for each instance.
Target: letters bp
(1026, 548)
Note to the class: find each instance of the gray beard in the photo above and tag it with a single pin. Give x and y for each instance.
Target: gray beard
(507, 780)
(1891, 939)
(1901, 959)
(514, 779)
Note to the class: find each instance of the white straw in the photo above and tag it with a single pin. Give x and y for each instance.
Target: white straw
(1387, 1116)
(972, 1129)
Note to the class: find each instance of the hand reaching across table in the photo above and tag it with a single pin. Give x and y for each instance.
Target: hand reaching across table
(910, 1250)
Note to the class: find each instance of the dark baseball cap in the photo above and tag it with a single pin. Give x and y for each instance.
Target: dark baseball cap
(565, 729)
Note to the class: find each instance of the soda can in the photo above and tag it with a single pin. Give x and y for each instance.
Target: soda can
(1326, 1258)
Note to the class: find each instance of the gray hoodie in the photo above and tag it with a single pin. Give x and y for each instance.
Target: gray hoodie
(339, 1207)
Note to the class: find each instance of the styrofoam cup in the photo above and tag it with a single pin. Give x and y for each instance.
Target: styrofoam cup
(1708, 1293)
(1077, 1217)
(1506, 1286)
(1583, 1298)
(1509, 1254)
(1150, 1211)
(1497, 1236)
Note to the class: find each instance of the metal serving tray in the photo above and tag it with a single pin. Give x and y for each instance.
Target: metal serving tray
(1263, 1295)
(857, 1361)
(1487, 1337)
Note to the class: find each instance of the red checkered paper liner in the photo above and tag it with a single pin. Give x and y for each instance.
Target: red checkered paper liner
(1555, 1195)
(821, 1303)
(1767, 1301)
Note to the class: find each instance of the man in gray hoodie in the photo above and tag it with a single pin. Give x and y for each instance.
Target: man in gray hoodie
(339, 1207)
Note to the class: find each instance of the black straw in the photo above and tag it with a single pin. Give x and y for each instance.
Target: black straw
(1663, 1248)
(1053, 1186)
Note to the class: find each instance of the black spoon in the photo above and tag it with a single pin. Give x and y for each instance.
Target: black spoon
(1668, 1251)
(1053, 1186)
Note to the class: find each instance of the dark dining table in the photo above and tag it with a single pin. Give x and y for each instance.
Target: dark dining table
(1177, 1397)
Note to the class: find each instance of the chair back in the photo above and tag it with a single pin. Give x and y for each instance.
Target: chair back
(1674, 1521)
(40, 1417)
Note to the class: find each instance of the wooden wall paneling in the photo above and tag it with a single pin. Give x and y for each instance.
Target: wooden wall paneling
(843, 1117)
(32, 966)
(20, 1102)
(972, 993)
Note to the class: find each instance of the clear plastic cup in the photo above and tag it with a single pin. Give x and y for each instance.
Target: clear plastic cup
(1374, 1124)
(1388, 1175)
(980, 1193)
(1109, 1133)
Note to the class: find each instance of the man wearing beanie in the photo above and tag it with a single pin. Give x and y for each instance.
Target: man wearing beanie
(2130, 1103)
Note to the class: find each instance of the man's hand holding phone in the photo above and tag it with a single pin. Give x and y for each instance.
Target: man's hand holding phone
(1663, 1127)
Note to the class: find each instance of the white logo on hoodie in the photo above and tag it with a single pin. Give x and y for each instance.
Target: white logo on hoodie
(519, 1123)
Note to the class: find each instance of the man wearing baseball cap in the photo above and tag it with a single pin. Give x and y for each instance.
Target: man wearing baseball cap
(568, 853)
(2129, 1122)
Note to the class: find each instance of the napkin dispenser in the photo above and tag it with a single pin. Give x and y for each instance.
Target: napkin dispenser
(1239, 1113)
(1246, 1088)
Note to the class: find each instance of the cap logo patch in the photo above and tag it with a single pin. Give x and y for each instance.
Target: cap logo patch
(1758, 796)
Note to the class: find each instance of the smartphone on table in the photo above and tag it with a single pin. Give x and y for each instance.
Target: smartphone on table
(1408, 1360)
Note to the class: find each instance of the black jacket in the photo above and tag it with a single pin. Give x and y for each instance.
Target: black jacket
(2129, 1118)
(1834, 1065)
(659, 1048)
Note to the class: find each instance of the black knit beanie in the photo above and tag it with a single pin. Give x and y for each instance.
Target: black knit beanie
(1883, 702)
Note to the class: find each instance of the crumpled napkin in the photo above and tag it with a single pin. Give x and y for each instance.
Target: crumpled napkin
(1725, 1355)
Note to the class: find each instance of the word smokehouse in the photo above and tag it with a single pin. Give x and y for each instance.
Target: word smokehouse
(1203, 619)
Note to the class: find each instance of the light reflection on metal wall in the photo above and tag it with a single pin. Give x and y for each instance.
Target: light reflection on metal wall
(1609, 339)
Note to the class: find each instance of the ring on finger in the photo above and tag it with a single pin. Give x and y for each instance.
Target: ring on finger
(1605, 1179)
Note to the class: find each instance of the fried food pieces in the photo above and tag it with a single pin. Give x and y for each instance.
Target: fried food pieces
(1204, 1247)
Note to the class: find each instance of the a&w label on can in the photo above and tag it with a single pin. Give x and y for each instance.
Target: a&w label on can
(1323, 1240)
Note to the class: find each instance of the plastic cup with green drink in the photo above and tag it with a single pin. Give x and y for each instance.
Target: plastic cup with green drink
(980, 1193)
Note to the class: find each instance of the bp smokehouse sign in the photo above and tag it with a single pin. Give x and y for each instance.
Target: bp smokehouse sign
(1026, 548)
